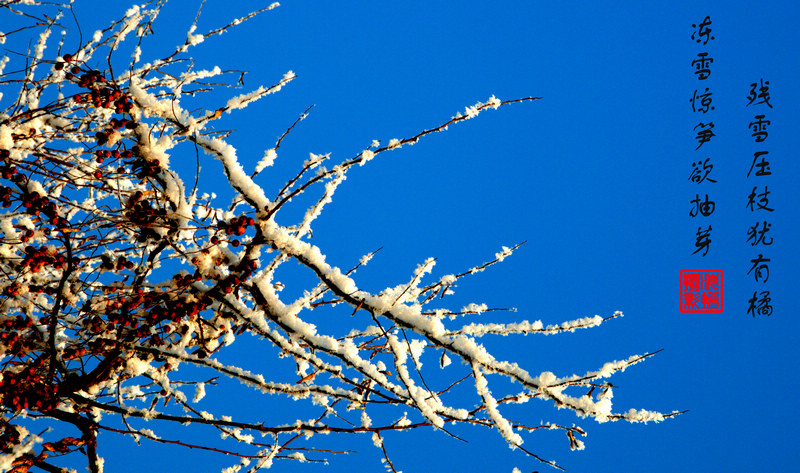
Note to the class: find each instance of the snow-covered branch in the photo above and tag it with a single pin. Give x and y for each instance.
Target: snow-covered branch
(122, 280)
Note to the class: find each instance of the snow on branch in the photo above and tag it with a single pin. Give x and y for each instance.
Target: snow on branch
(129, 295)
(525, 327)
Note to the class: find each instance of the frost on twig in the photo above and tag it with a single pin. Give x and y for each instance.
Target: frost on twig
(119, 274)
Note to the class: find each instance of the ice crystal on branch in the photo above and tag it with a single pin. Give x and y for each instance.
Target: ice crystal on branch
(118, 273)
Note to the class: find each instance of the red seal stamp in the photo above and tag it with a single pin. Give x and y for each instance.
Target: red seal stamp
(701, 290)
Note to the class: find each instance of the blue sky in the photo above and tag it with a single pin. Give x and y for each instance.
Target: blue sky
(594, 176)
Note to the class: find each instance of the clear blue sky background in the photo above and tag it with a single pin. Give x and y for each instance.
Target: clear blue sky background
(594, 176)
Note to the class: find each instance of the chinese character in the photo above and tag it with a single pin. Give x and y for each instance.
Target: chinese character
(701, 66)
(704, 208)
(763, 308)
(703, 32)
(763, 93)
(699, 175)
(713, 281)
(705, 101)
(761, 267)
(703, 240)
(705, 134)
(710, 300)
(763, 165)
(762, 202)
(759, 128)
(690, 301)
(753, 233)
(693, 281)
